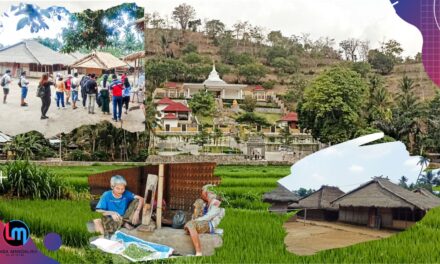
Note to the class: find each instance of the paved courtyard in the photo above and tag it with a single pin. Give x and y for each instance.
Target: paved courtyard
(15, 119)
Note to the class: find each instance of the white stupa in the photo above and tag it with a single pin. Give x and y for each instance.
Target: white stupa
(217, 86)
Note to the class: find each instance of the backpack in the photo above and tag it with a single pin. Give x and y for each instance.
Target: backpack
(179, 220)
(3, 81)
(19, 82)
(40, 91)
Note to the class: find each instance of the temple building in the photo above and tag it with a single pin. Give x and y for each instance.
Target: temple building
(217, 86)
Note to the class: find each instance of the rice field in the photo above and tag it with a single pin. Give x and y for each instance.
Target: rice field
(251, 234)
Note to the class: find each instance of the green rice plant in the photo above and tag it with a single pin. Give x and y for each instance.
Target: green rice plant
(67, 218)
(252, 171)
(249, 182)
(27, 180)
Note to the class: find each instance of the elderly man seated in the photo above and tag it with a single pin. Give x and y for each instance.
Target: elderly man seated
(204, 222)
(119, 207)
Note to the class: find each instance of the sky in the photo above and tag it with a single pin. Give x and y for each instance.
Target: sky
(373, 20)
(349, 164)
(9, 35)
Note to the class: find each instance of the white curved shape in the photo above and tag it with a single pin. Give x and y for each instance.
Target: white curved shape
(435, 14)
(349, 164)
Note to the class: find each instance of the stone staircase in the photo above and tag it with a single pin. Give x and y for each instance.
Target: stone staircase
(279, 103)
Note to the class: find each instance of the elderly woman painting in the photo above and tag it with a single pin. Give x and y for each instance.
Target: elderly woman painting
(204, 222)
(119, 207)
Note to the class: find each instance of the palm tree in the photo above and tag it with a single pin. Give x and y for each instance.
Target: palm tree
(424, 161)
(25, 146)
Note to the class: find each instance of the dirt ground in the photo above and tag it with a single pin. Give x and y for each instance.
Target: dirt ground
(15, 119)
(314, 236)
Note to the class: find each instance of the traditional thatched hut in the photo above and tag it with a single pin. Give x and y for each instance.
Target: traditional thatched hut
(32, 57)
(136, 61)
(317, 206)
(381, 203)
(280, 198)
(4, 139)
(97, 62)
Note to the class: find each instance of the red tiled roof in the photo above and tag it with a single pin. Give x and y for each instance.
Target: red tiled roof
(170, 116)
(176, 107)
(292, 116)
(170, 85)
(165, 101)
(259, 88)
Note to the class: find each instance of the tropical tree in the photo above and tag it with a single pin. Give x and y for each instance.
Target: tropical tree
(249, 103)
(332, 105)
(26, 146)
(423, 162)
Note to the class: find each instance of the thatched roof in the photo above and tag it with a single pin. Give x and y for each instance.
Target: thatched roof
(77, 55)
(281, 195)
(320, 199)
(426, 193)
(134, 56)
(380, 192)
(99, 60)
(4, 138)
(31, 51)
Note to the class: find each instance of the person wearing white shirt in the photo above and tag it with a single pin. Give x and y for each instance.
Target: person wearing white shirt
(24, 88)
(5, 81)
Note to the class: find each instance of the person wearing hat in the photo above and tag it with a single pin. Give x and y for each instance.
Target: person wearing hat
(5, 81)
(23, 83)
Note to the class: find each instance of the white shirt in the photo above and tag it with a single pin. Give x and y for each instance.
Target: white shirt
(7, 80)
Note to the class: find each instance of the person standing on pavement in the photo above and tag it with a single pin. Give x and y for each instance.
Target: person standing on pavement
(116, 88)
(74, 84)
(83, 82)
(60, 89)
(44, 86)
(5, 82)
(92, 91)
(23, 83)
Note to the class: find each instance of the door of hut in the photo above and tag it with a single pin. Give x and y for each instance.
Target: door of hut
(372, 212)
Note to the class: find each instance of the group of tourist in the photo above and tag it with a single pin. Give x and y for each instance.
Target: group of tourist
(101, 91)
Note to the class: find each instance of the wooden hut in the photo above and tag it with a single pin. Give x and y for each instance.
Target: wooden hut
(381, 203)
(4, 139)
(34, 58)
(317, 206)
(280, 198)
(97, 62)
(136, 61)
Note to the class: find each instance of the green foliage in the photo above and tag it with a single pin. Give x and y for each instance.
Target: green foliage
(284, 65)
(26, 180)
(253, 73)
(249, 103)
(214, 28)
(241, 59)
(252, 119)
(67, 218)
(52, 43)
(160, 70)
(269, 84)
(79, 155)
(276, 52)
(363, 68)
(381, 62)
(30, 145)
(202, 102)
(202, 137)
(332, 105)
(192, 58)
(189, 48)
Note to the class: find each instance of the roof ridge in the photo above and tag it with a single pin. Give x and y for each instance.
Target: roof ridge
(30, 52)
(395, 194)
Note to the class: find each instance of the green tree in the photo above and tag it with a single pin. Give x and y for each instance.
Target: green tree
(379, 107)
(52, 43)
(192, 58)
(393, 49)
(226, 43)
(190, 48)
(332, 105)
(288, 65)
(86, 30)
(381, 62)
(214, 28)
(363, 68)
(27, 146)
(253, 73)
(433, 122)
(249, 103)
(202, 137)
(252, 119)
(217, 135)
(202, 103)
